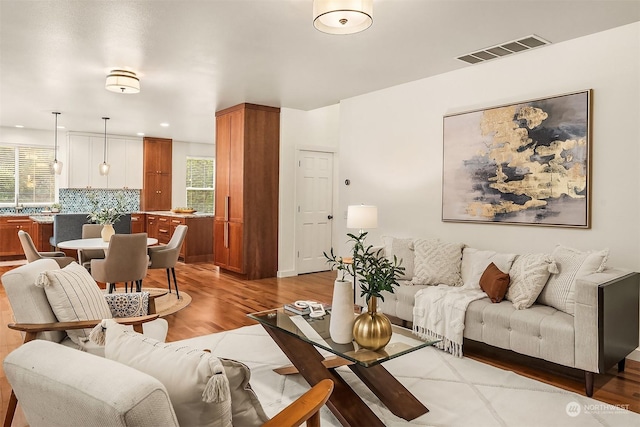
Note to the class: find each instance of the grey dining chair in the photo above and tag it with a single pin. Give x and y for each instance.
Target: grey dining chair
(90, 231)
(126, 261)
(167, 256)
(32, 253)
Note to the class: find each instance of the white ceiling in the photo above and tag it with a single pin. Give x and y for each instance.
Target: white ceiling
(197, 57)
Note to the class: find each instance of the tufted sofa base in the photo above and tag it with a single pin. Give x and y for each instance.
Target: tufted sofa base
(603, 331)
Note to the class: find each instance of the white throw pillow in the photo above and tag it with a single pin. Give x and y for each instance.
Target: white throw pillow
(437, 263)
(560, 289)
(529, 274)
(195, 380)
(475, 262)
(403, 250)
(74, 295)
(186, 373)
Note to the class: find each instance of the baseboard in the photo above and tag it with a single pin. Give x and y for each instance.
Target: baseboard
(635, 355)
(286, 273)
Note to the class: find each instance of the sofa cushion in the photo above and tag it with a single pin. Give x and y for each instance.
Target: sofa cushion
(403, 250)
(74, 295)
(559, 291)
(494, 283)
(529, 273)
(475, 262)
(437, 263)
(541, 331)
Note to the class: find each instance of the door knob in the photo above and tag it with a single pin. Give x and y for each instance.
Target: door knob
(330, 217)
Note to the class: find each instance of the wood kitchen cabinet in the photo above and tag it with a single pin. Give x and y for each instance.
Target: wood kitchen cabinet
(9, 242)
(246, 206)
(138, 223)
(156, 188)
(197, 245)
(152, 226)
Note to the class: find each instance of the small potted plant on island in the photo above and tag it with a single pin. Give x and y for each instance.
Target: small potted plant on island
(106, 216)
(342, 315)
(375, 273)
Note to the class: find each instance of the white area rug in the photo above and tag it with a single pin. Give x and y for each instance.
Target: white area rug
(457, 391)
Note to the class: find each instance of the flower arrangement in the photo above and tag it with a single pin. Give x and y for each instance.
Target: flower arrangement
(106, 215)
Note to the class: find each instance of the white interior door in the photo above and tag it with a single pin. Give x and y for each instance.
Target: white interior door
(315, 210)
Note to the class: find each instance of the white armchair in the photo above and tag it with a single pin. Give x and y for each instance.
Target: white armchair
(51, 382)
(35, 317)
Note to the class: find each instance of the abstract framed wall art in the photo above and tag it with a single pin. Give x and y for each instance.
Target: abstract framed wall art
(526, 163)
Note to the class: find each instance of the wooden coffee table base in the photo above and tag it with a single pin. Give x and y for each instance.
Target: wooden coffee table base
(344, 403)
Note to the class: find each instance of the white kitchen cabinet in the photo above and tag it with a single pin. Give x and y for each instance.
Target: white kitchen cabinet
(86, 153)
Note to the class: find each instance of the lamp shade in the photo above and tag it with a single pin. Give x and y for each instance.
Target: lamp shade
(342, 16)
(122, 81)
(362, 216)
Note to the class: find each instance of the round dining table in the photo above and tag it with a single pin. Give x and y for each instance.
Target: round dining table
(94, 243)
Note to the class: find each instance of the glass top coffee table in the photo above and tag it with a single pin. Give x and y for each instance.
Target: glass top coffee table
(299, 337)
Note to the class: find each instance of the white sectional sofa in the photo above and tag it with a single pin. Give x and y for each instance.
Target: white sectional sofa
(593, 327)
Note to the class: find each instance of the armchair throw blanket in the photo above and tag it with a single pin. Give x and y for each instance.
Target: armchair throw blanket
(438, 314)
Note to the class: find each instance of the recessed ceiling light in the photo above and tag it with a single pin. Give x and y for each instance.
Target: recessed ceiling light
(164, 125)
(140, 134)
(19, 126)
(61, 127)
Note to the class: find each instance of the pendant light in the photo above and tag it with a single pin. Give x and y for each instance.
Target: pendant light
(56, 166)
(104, 166)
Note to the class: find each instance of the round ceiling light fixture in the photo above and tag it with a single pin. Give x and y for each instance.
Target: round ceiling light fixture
(122, 81)
(342, 16)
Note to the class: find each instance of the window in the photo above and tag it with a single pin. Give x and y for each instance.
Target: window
(25, 175)
(200, 183)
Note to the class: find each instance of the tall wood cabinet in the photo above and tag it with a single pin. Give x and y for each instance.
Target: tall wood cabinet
(156, 188)
(245, 228)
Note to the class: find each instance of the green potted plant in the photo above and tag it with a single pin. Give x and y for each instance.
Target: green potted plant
(56, 207)
(375, 274)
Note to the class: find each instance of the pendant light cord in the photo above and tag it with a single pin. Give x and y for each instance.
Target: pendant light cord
(55, 145)
(104, 156)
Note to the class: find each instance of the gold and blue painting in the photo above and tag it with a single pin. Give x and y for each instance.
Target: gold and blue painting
(526, 163)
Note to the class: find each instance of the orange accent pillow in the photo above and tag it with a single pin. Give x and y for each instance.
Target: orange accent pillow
(494, 283)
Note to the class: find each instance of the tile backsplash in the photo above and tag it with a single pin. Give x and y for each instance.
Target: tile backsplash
(78, 200)
(75, 200)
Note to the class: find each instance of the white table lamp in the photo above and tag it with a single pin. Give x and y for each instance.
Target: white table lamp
(362, 216)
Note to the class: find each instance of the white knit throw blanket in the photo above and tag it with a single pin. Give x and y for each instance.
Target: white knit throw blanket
(438, 314)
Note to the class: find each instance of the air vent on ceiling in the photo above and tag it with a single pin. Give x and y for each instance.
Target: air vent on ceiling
(497, 51)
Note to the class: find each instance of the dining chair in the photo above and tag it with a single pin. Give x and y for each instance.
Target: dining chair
(126, 260)
(32, 253)
(167, 256)
(90, 231)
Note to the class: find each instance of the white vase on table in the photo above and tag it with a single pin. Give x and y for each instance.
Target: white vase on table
(107, 232)
(342, 314)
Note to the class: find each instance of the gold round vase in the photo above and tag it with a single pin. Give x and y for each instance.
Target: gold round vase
(372, 330)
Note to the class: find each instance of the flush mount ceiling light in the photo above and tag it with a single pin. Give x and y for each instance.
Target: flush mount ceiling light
(342, 16)
(122, 81)
(104, 166)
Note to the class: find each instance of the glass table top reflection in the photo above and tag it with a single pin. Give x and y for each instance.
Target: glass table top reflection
(316, 331)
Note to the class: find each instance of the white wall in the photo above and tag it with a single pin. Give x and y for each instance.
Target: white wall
(180, 151)
(391, 145)
(23, 136)
(300, 130)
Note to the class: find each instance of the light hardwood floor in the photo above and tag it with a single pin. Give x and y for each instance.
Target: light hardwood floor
(221, 302)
